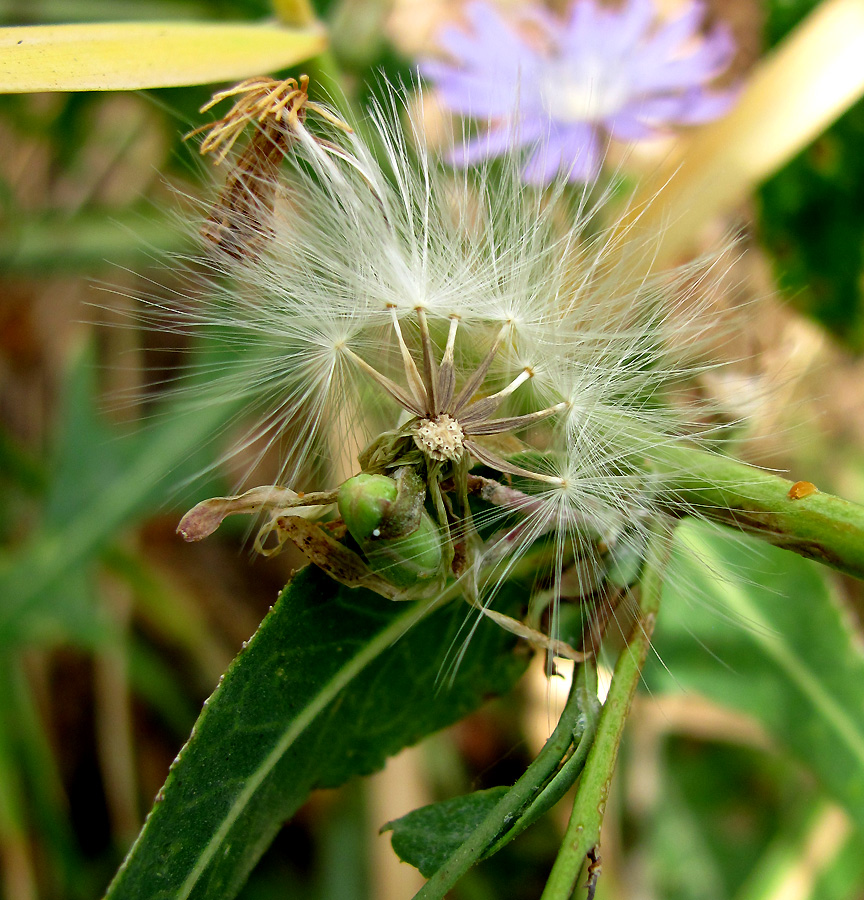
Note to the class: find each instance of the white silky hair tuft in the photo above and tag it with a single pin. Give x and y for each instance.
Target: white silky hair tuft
(361, 229)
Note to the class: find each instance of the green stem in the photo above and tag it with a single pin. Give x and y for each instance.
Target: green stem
(521, 797)
(18, 872)
(565, 777)
(296, 13)
(583, 830)
(323, 69)
(819, 526)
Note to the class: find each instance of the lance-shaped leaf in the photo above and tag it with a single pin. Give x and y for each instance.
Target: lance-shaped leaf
(791, 657)
(121, 56)
(333, 682)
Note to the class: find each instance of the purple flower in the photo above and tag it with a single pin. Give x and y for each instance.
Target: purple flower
(564, 86)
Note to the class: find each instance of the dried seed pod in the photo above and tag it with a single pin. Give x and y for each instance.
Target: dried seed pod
(239, 223)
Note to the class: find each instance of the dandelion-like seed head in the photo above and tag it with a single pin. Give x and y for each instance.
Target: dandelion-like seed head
(487, 347)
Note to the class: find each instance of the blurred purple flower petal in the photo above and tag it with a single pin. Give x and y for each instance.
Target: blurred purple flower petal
(573, 150)
(565, 87)
(495, 142)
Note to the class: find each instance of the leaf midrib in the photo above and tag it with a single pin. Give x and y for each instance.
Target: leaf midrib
(792, 665)
(325, 696)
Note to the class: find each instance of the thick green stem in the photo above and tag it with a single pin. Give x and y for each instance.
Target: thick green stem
(565, 777)
(518, 800)
(583, 830)
(816, 525)
(297, 13)
(323, 69)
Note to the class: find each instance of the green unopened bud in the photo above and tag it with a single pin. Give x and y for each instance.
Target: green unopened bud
(387, 519)
(363, 503)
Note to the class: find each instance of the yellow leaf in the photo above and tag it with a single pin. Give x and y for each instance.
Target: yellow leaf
(128, 56)
(792, 96)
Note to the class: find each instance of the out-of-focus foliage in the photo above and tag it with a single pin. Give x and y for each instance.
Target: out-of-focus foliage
(811, 213)
(112, 633)
(40, 12)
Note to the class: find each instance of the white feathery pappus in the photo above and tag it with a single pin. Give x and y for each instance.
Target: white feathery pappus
(489, 358)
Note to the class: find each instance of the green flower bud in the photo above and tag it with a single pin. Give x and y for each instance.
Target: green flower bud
(387, 519)
(363, 503)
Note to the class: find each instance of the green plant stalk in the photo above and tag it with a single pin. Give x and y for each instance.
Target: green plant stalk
(583, 830)
(819, 526)
(323, 68)
(39, 773)
(296, 13)
(522, 796)
(563, 780)
(18, 879)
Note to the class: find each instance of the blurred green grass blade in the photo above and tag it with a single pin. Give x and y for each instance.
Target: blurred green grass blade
(61, 546)
(18, 466)
(40, 774)
(805, 847)
(67, 614)
(343, 852)
(333, 682)
(678, 832)
(48, 242)
(18, 877)
(160, 687)
(122, 56)
(86, 452)
(172, 614)
(86, 457)
(757, 629)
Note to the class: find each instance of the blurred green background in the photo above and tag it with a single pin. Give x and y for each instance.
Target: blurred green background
(113, 632)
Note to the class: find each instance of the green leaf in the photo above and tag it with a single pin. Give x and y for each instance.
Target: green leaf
(125, 56)
(427, 837)
(333, 682)
(151, 462)
(757, 629)
(92, 239)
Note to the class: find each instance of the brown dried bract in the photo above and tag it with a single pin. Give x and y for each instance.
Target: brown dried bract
(239, 221)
